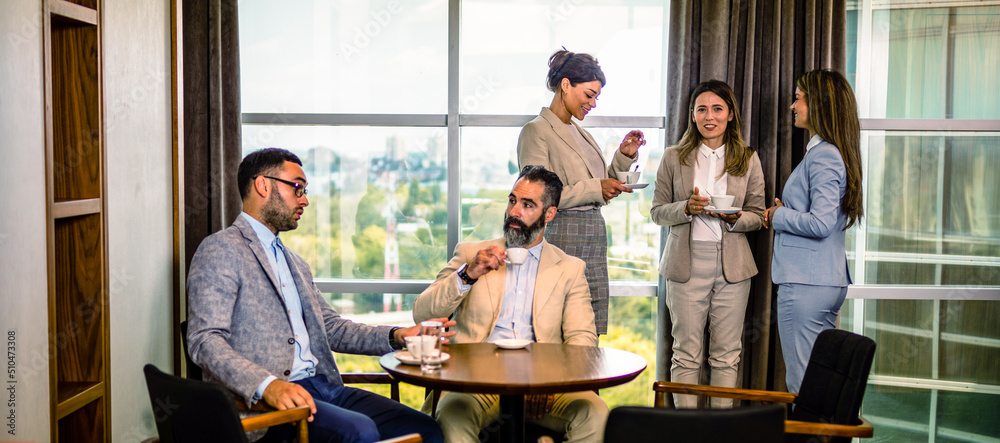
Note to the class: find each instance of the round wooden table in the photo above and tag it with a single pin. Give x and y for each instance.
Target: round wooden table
(541, 368)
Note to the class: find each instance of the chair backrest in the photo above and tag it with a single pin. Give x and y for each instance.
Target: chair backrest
(192, 411)
(638, 424)
(835, 379)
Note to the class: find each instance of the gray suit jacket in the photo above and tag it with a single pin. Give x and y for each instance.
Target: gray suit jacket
(238, 326)
(809, 231)
(561, 306)
(547, 142)
(674, 184)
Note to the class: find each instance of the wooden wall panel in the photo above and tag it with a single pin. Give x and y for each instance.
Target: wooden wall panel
(76, 134)
(84, 425)
(79, 301)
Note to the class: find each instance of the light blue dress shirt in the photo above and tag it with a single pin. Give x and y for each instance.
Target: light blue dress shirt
(304, 365)
(516, 315)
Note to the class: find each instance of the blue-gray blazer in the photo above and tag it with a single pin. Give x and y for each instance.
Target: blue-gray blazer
(809, 230)
(238, 326)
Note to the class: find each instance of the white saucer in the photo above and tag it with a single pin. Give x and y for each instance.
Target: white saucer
(406, 358)
(722, 211)
(512, 343)
(636, 185)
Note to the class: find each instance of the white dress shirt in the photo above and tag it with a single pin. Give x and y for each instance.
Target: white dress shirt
(304, 364)
(710, 178)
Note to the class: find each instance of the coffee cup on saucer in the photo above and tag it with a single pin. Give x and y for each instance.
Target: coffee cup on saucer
(722, 202)
(631, 177)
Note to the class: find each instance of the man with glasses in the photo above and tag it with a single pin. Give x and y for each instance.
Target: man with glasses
(258, 325)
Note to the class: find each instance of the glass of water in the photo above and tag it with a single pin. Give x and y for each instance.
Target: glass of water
(430, 346)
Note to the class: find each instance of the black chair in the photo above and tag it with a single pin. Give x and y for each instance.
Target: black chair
(827, 406)
(637, 424)
(192, 411)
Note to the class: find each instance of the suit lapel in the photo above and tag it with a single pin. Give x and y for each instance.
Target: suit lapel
(563, 132)
(259, 253)
(494, 282)
(687, 176)
(495, 287)
(737, 185)
(545, 280)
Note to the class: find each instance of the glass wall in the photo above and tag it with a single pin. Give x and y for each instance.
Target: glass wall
(407, 117)
(403, 164)
(927, 80)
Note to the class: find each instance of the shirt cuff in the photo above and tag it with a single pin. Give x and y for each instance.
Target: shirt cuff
(260, 389)
(462, 287)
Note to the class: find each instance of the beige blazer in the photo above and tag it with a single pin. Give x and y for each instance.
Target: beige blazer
(674, 184)
(547, 141)
(561, 305)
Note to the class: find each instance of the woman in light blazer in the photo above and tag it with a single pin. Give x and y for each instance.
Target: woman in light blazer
(555, 141)
(707, 261)
(822, 198)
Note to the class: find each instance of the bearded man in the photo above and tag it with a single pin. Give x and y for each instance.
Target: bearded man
(546, 299)
(258, 325)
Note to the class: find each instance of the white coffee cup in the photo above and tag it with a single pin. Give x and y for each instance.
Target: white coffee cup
(723, 201)
(631, 177)
(416, 343)
(517, 256)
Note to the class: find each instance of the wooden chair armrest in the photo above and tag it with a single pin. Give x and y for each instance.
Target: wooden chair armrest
(259, 406)
(275, 418)
(378, 378)
(408, 438)
(715, 391)
(863, 430)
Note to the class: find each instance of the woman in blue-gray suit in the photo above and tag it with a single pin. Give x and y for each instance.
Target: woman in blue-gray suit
(822, 198)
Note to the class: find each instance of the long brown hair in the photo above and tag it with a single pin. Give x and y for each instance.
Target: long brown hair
(737, 152)
(833, 115)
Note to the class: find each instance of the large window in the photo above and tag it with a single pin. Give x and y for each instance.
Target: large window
(410, 146)
(927, 80)
(407, 114)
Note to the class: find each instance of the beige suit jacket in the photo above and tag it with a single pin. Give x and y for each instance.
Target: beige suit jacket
(546, 141)
(674, 184)
(561, 302)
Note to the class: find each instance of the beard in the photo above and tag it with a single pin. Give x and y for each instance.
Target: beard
(524, 234)
(277, 215)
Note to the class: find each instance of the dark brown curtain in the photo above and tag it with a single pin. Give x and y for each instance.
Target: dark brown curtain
(759, 48)
(211, 102)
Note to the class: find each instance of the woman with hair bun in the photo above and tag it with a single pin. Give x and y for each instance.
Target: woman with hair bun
(821, 199)
(558, 143)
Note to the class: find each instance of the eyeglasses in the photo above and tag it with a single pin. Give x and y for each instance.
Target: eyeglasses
(300, 189)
